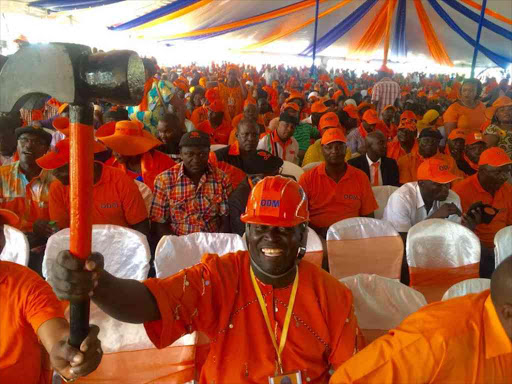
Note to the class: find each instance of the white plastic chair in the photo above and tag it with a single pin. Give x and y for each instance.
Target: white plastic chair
(146, 193)
(382, 194)
(16, 249)
(503, 243)
(441, 253)
(364, 245)
(292, 169)
(466, 287)
(381, 303)
(309, 166)
(214, 147)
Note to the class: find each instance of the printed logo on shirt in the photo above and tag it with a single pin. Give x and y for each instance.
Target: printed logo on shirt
(444, 167)
(351, 197)
(109, 205)
(270, 203)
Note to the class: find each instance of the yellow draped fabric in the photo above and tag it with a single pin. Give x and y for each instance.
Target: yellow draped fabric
(435, 46)
(488, 11)
(174, 15)
(279, 34)
(241, 23)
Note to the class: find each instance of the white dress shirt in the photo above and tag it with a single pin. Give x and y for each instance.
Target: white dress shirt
(370, 164)
(406, 207)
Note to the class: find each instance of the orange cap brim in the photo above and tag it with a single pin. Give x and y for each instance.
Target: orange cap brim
(9, 218)
(61, 124)
(270, 220)
(54, 160)
(444, 178)
(130, 145)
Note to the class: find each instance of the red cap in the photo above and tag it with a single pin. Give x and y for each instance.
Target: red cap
(332, 135)
(435, 170)
(351, 110)
(495, 157)
(59, 156)
(371, 117)
(216, 106)
(474, 137)
(9, 218)
(318, 107)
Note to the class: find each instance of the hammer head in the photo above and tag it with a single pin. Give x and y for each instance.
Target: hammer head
(71, 74)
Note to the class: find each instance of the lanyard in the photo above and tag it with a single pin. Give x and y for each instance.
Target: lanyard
(287, 319)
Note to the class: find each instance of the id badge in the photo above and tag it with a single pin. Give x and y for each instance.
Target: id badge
(231, 101)
(286, 378)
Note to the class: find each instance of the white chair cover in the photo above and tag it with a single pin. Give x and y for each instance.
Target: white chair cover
(292, 169)
(16, 249)
(174, 253)
(466, 287)
(382, 303)
(360, 228)
(146, 193)
(125, 250)
(382, 194)
(438, 243)
(214, 147)
(503, 243)
(309, 166)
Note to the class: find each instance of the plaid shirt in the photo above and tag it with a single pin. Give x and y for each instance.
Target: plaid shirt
(188, 208)
(385, 92)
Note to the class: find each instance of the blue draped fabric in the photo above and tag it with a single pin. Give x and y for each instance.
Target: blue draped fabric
(500, 60)
(399, 41)
(163, 11)
(341, 28)
(476, 18)
(70, 5)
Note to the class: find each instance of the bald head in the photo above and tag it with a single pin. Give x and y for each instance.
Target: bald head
(376, 145)
(501, 293)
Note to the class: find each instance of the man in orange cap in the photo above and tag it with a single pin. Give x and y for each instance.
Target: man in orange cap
(281, 142)
(405, 141)
(489, 187)
(385, 91)
(216, 126)
(116, 198)
(473, 149)
(336, 190)
(464, 340)
(388, 119)
(355, 139)
(456, 146)
(133, 151)
(240, 299)
(233, 93)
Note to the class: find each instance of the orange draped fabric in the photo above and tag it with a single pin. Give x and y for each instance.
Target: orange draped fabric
(391, 9)
(488, 11)
(435, 46)
(143, 106)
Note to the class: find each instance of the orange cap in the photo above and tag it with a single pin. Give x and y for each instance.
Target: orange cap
(129, 138)
(216, 106)
(59, 156)
(330, 119)
(62, 108)
(371, 117)
(351, 110)
(276, 201)
(332, 135)
(61, 124)
(435, 170)
(292, 106)
(500, 102)
(457, 134)
(318, 107)
(408, 115)
(295, 95)
(388, 107)
(9, 218)
(474, 137)
(495, 157)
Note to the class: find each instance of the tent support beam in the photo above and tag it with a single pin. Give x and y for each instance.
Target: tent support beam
(478, 34)
(313, 68)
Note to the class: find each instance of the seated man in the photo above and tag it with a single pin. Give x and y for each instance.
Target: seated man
(258, 165)
(336, 190)
(33, 325)
(464, 340)
(217, 127)
(116, 198)
(355, 139)
(133, 150)
(405, 141)
(239, 299)
(489, 186)
(281, 142)
(428, 147)
(381, 170)
(456, 146)
(475, 146)
(170, 131)
(250, 112)
(191, 196)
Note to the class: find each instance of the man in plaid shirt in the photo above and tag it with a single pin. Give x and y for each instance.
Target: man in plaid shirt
(191, 196)
(386, 91)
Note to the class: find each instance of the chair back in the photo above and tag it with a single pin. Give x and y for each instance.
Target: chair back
(381, 303)
(382, 194)
(441, 253)
(292, 169)
(16, 249)
(314, 248)
(466, 287)
(503, 243)
(146, 193)
(174, 253)
(364, 245)
(312, 165)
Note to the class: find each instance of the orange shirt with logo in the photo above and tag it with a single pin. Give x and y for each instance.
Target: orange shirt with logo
(27, 301)
(116, 200)
(470, 191)
(408, 165)
(330, 202)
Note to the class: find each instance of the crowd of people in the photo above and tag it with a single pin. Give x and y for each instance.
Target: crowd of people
(205, 151)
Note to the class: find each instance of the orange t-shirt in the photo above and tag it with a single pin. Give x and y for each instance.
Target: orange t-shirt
(330, 202)
(395, 150)
(27, 301)
(476, 116)
(116, 200)
(408, 165)
(219, 300)
(454, 341)
(219, 135)
(470, 191)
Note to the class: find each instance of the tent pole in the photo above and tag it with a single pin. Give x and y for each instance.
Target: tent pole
(314, 72)
(479, 32)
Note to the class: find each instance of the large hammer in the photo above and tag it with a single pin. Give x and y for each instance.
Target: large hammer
(72, 74)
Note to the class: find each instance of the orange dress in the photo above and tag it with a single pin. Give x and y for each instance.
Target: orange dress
(232, 99)
(475, 116)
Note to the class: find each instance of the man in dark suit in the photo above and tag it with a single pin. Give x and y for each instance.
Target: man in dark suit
(381, 170)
